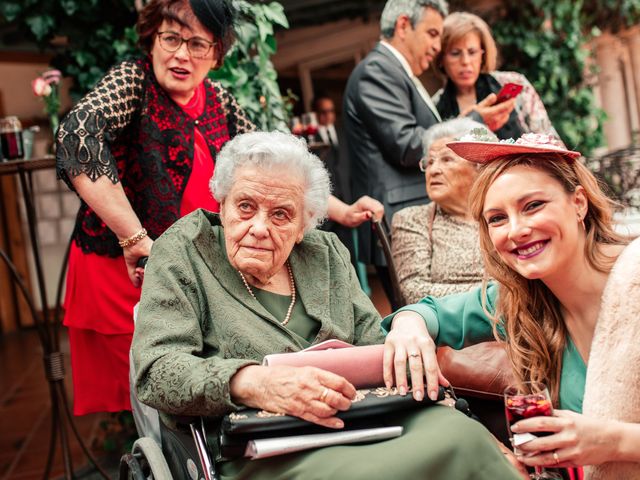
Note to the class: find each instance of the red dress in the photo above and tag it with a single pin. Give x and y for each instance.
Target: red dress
(100, 344)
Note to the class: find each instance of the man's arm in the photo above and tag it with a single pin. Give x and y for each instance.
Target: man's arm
(383, 105)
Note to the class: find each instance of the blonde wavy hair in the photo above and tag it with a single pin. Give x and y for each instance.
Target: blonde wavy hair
(527, 310)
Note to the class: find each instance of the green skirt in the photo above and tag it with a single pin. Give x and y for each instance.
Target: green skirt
(438, 443)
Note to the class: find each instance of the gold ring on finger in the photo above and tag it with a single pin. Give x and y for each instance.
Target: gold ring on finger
(556, 458)
(324, 394)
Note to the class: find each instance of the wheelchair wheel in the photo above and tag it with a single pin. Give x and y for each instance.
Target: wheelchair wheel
(148, 462)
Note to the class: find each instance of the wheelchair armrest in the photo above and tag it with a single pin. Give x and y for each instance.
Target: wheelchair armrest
(481, 370)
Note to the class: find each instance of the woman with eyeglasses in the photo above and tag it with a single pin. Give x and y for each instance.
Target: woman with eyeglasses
(139, 150)
(435, 247)
(468, 59)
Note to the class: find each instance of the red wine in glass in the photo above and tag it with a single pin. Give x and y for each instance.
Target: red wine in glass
(519, 407)
(312, 130)
(11, 138)
(526, 400)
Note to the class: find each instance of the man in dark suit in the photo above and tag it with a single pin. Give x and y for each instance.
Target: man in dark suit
(336, 155)
(387, 110)
(336, 159)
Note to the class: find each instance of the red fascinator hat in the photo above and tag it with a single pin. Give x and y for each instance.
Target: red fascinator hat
(477, 146)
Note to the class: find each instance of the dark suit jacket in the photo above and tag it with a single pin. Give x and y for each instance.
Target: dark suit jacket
(385, 118)
(336, 159)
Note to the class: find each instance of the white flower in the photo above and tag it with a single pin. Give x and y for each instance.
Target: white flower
(40, 87)
(539, 139)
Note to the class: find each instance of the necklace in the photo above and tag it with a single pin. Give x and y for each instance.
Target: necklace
(293, 293)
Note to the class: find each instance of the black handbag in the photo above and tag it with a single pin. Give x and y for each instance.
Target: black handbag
(371, 408)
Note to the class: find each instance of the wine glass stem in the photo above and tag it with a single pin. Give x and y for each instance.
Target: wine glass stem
(538, 473)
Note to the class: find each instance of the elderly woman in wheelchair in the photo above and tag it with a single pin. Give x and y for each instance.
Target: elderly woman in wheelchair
(222, 291)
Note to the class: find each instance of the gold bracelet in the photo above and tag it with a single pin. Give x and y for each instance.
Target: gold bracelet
(127, 242)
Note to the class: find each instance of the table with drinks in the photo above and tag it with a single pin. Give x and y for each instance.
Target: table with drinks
(11, 140)
(47, 323)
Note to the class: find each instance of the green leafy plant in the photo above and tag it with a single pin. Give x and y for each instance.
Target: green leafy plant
(87, 37)
(546, 41)
(611, 14)
(248, 71)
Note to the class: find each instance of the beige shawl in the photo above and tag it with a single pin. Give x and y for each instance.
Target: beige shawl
(613, 377)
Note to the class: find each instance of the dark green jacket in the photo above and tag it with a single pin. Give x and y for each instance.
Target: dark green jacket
(197, 324)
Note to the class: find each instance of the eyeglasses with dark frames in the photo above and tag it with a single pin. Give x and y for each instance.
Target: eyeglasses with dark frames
(172, 41)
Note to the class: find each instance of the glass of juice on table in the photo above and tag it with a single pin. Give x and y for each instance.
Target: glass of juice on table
(526, 400)
(11, 138)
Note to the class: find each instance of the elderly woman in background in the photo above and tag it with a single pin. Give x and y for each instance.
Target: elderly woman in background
(221, 292)
(565, 302)
(140, 149)
(435, 246)
(468, 58)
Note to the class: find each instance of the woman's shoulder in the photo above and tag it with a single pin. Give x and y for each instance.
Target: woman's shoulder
(189, 228)
(633, 246)
(217, 87)
(509, 77)
(320, 237)
(124, 82)
(627, 263)
(241, 121)
(414, 214)
(130, 69)
(318, 247)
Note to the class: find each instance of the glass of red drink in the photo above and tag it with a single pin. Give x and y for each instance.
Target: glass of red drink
(11, 138)
(526, 400)
(310, 124)
(296, 127)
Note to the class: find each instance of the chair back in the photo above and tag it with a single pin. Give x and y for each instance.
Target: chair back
(383, 232)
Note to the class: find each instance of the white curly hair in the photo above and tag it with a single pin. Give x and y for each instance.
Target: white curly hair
(268, 150)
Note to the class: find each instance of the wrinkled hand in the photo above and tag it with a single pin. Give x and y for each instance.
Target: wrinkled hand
(131, 256)
(363, 209)
(576, 439)
(409, 339)
(493, 115)
(309, 393)
(511, 458)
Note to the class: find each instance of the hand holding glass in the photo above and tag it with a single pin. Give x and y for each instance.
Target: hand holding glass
(526, 400)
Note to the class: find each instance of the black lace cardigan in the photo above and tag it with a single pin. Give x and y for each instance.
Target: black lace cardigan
(129, 130)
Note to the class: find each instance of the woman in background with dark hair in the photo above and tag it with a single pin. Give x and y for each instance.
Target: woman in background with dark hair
(468, 58)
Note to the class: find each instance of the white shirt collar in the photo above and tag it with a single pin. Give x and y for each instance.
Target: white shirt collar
(396, 53)
(416, 81)
(328, 132)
